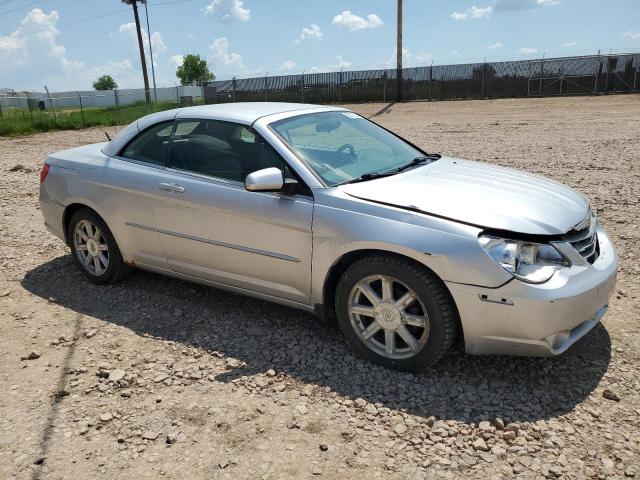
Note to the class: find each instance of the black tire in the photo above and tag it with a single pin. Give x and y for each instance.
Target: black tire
(433, 294)
(116, 269)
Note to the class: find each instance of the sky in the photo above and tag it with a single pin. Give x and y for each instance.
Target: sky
(67, 44)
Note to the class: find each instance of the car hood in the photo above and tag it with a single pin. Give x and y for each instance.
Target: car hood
(480, 194)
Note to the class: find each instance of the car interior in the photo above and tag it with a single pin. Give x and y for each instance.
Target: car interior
(208, 147)
(222, 150)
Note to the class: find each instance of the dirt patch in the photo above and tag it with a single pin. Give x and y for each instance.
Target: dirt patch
(155, 376)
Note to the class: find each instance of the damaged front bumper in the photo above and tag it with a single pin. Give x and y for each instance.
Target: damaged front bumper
(538, 320)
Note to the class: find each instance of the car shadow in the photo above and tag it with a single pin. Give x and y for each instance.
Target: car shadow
(264, 335)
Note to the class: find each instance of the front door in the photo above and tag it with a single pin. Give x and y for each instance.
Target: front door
(211, 227)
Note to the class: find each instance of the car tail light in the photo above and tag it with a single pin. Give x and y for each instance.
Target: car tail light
(44, 172)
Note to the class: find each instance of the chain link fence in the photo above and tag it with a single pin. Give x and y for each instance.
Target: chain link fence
(27, 112)
(584, 75)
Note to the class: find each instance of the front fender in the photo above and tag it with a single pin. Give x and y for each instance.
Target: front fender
(451, 250)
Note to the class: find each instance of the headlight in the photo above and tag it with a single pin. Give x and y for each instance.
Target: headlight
(527, 261)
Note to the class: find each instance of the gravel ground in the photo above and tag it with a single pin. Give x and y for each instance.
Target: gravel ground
(158, 377)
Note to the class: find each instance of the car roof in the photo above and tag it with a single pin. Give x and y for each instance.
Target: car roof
(241, 112)
(247, 112)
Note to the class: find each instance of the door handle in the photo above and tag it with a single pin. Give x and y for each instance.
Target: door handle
(171, 187)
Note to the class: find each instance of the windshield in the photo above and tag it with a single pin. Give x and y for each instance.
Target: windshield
(343, 146)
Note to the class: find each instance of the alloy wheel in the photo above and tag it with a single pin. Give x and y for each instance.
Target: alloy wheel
(388, 317)
(91, 247)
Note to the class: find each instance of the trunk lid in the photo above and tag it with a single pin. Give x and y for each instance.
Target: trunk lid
(85, 157)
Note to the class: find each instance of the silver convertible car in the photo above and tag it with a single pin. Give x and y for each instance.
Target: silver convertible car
(320, 209)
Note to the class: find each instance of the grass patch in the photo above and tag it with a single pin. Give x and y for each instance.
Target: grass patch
(16, 122)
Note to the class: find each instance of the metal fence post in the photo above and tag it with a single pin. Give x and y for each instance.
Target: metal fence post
(53, 107)
(484, 67)
(431, 82)
(606, 77)
(561, 78)
(303, 86)
(598, 69)
(266, 88)
(115, 94)
(541, 76)
(384, 87)
(81, 110)
(340, 85)
(233, 84)
(29, 106)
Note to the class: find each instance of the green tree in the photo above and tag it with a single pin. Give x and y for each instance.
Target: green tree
(105, 82)
(194, 71)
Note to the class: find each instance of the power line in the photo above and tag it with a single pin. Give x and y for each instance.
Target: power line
(7, 2)
(95, 17)
(20, 8)
(169, 3)
(75, 22)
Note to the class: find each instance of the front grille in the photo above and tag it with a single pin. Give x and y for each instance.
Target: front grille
(585, 241)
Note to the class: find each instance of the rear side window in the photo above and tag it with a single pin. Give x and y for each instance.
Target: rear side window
(151, 145)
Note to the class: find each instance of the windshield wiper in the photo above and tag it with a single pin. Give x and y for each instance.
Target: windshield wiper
(417, 161)
(368, 176)
(373, 175)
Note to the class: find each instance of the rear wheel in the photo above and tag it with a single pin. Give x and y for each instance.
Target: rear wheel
(395, 312)
(94, 248)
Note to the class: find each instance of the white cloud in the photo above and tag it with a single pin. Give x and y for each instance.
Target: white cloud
(518, 5)
(340, 63)
(127, 27)
(288, 65)
(123, 73)
(176, 60)
(494, 46)
(32, 57)
(220, 53)
(455, 53)
(410, 58)
(631, 35)
(317, 70)
(128, 30)
(313, 31)
(227, 11)
(423, 57)
(157, 43)
(527, 50)
(353, 22)
(473, 13)
(570, 44)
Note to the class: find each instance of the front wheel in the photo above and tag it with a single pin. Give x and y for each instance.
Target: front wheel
(395, 312)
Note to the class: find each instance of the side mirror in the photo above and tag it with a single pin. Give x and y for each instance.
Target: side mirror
(265, 180)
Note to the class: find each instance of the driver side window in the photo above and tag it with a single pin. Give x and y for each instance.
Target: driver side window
(218, 149)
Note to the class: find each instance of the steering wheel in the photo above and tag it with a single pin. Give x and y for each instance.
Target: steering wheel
(347, 149)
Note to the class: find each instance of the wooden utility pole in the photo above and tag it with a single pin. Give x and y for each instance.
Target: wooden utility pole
(399, 80)
(134, 4)
(153, 69)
